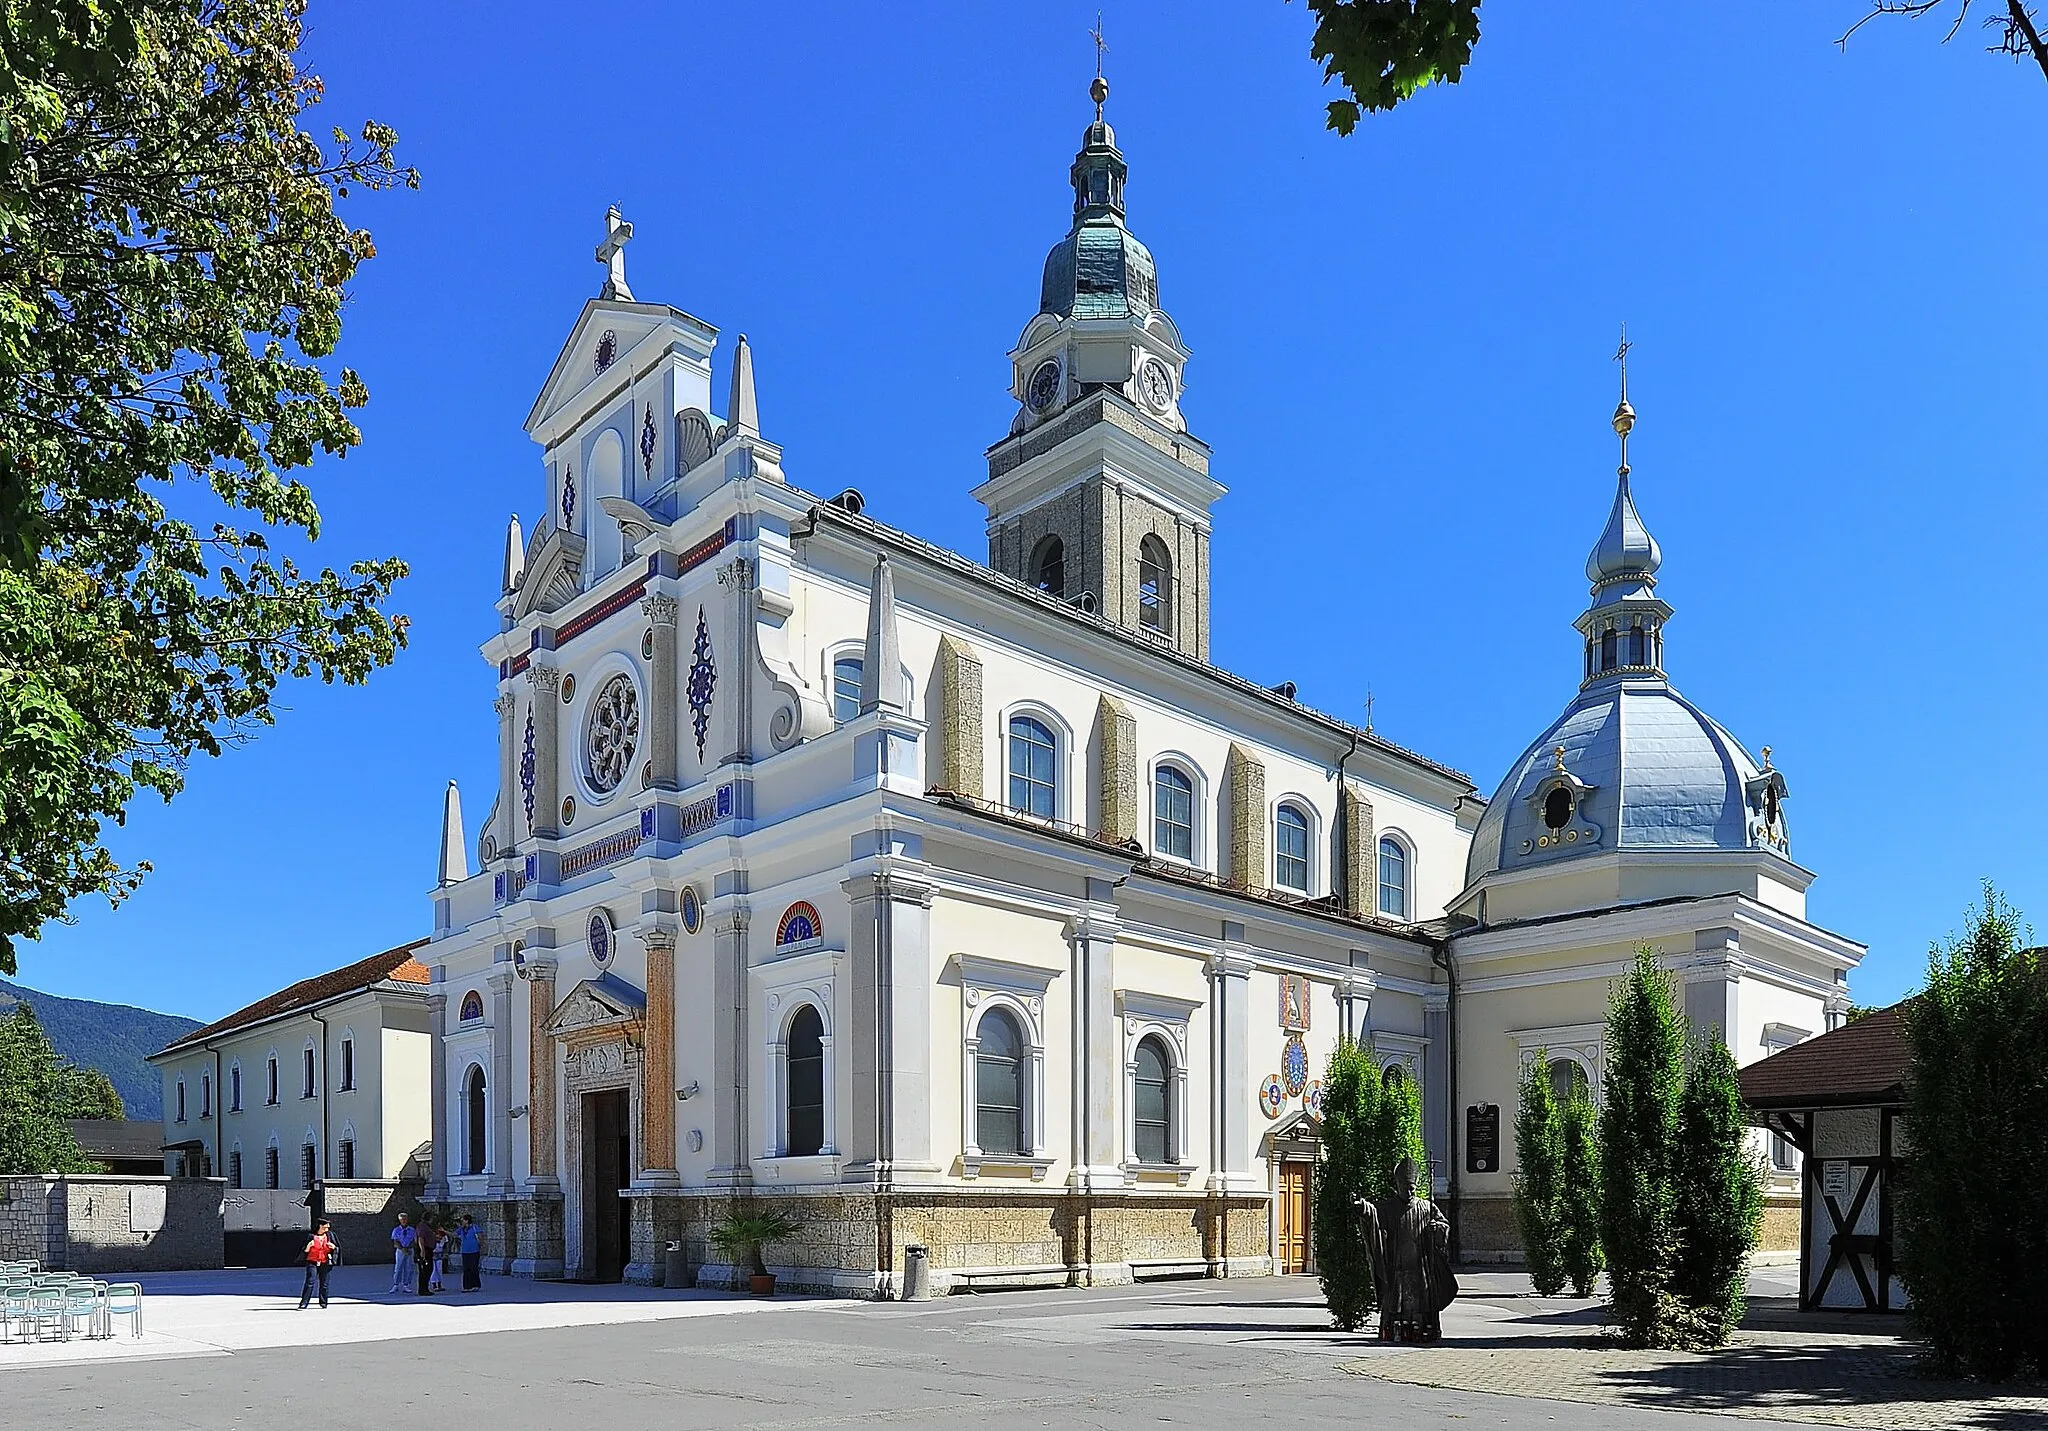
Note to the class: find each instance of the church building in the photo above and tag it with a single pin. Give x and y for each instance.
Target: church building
(970, 906)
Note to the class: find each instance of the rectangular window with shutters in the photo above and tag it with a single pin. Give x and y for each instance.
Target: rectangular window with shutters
(270, 1167)
(235, 1168)
(347, 1160)
(306, 1074)
(306, 1165)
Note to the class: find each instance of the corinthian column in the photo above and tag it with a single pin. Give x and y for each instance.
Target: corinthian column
(546, 713)
(540, 1078)
(661, 701)
(658, 1060)
(506, 833)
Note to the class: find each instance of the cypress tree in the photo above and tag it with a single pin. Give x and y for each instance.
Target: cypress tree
(1720, 1193)
(1645, 1080)
(1347, 1170)
(1579, 1190)
(1971, 1210)
(1396, 1134)
(1539, 1177)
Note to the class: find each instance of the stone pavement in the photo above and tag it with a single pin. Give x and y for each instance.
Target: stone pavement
(219, 1313)
(1845, 1372)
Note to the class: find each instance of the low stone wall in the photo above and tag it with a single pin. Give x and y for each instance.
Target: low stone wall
(363, 1212)
(112, 1222)
(1487, 1232)
(32, 1220)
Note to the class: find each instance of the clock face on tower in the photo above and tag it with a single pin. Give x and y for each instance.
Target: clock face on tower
(1156, 384)
(1045, 386)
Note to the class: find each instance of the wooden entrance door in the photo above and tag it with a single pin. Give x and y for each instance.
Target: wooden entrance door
(608, 1169)
(1294, 1216)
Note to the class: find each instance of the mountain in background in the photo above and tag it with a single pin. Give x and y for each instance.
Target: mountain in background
(113, 1038)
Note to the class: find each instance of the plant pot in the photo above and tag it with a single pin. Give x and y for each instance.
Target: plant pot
(761, 1284)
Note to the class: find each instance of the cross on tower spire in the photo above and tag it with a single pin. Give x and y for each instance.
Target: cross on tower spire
(1099, 90)
(612, 254)
(1624, 415)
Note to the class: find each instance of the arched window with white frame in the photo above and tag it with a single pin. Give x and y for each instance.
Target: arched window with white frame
(846, 678)
(1152, 1121)
(1155, 586)
(1174, 815)
(1032, 752)
(1292, 843)
(1000, 1101)
(804, 1085)
(476, 1126)
(604, 476)
(1396, 874)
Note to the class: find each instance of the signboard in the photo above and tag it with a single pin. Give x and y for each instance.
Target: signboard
(1834, 1179)
(1482, 1138)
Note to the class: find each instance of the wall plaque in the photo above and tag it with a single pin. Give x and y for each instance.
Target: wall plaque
(1482, 1138)
(1834, 1179)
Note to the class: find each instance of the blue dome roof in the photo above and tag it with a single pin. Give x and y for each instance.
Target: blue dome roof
(1099, 270)
(1644, 769)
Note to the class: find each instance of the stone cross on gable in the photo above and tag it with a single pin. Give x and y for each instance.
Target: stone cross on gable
(612, 254)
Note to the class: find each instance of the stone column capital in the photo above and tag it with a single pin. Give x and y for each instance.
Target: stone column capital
(661, 608)
(1230, 964)
(659, 937)
(505, 704)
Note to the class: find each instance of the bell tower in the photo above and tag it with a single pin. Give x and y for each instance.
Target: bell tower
(1099, 495)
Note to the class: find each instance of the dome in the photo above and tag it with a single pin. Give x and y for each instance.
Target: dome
(1642, 769)
(1099, 270)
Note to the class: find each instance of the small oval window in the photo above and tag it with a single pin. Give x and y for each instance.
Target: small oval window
(1557, 808)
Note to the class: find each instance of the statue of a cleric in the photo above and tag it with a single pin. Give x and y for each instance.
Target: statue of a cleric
(1409, 1243)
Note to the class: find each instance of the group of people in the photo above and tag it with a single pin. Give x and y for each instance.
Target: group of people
(426, 1250)
(419, 1256)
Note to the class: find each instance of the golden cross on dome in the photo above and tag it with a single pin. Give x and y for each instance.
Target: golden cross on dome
(1624, 415)
(1101, 45)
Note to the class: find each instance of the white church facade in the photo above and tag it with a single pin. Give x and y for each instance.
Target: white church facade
(969, 906)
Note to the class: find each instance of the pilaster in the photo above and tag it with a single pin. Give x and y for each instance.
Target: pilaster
(1438, 1130)
(1245, 775)
(730, 1164)
(1230, 971)
(1354, 1001)
(547, 751)
(1096, 1049)
(961, 757)
(499, 982)
(1116, 772)
(1713, 984)
(1361, 853)
(544, 1178)
(662, 611)
(437, 1082)
(890, 1055)
(658, 1062)
(505, 833)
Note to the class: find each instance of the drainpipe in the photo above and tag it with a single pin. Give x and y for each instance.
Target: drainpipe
(1440, 955)
(1341, 877)
(220, 1157)
(320, 1168)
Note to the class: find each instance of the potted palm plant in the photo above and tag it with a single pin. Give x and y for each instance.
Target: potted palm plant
(742, 1236)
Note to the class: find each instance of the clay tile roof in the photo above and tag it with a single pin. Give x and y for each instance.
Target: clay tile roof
(393, 965)
(1863, 1062)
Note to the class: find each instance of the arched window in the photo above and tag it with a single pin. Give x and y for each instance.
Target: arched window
(1608, 649)
(1034, 755)
(1635, 646)
(1565, 1076)
(476, 1121)
(1049, 567)
(846, 673)
(806, 1111)
(1152, 1105)
(1173, 813)
(999, 1086)
(206, 1095)
(1393, 1076)
(270, 1166)
(235, 1088)
(1290, 848)
(472, 1006)
(181, 1100)
(1155, 585)
(605, 477)
(1393, 878)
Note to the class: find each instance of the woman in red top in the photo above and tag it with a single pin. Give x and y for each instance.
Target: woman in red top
(320, 1254)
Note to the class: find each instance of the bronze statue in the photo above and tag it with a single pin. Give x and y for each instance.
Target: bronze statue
(1409, 1243)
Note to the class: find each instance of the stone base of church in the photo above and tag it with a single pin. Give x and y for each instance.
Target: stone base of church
(1487, 1232)
(851, 1243)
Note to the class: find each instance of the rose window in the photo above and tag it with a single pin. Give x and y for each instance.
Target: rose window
(614, 733)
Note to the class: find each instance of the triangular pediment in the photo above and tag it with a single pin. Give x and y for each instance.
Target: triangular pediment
(588, 367)
(598, 1003)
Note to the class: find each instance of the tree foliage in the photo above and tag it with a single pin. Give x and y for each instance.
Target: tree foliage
(1579, 1190)
(1720, 1192)
(34, 1088)
(87, 1093)
(1972, 1209)
(1645, 1082)
(1383, 51)
(172, 273)
(1539, 1177)
(1346, 1171)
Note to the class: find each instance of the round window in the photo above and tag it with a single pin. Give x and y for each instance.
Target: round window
(613, 733)
(1557, 808)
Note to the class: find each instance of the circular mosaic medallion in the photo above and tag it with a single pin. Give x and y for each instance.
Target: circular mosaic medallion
(1313, 1099)
(613, 734)
(601, 944)
(568, 689)
(693, 912)
(1294, 1065)
(1272, 1097)
(647, 643)
(568, 809)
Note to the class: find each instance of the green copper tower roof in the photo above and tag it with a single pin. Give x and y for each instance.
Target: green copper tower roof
(1099, 270)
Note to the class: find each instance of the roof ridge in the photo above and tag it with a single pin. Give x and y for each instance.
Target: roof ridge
(309, 992)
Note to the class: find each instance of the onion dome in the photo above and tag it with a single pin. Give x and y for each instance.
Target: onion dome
(1100, 269)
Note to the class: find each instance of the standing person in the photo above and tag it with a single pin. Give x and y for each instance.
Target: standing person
(320, 1254)
(404, 1238)
(443, 1240)
(423, 1259)
(472, 1255)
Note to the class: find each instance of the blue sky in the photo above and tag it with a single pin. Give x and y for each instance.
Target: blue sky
(1829, 263)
